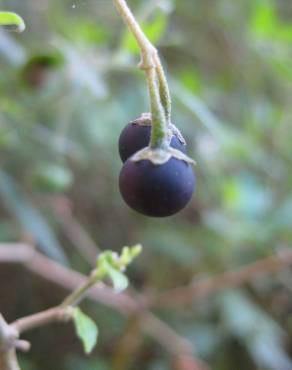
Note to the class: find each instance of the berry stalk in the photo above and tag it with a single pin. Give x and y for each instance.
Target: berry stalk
(163, 89)
(156, 79)
(159, 124)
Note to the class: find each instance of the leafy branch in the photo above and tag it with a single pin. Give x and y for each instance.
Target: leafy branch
(109, 265)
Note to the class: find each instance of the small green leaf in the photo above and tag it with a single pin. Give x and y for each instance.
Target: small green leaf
(120, 280)
(136, 250)
(12, 21)
(129, 254)
(86, 330)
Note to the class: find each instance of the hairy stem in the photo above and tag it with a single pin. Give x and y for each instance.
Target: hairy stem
(157, 83)
(163, 89)
(147, 49)
(159, 127)
(74, 298)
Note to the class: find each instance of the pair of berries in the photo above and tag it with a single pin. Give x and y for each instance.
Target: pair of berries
(154, 189)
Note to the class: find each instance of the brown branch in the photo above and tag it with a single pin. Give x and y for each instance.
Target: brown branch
(8, 339)
(230, 279)
(166, 336)
(9, 334)
(64, 277)
(130, 304)
(40, 319)
(8, 360)
(68, 279)
(185, 362)
(73, 230)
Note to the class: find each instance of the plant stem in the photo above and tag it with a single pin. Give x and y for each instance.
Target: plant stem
(8, 360)
(40, 319)
(61, 312)
(74, 298)
(163, 89)
(147, 49)
(150, 63)
(8, 340)
(159, 126)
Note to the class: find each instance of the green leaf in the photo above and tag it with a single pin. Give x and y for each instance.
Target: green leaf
(12, 21)
(86, 330)
(120, 280)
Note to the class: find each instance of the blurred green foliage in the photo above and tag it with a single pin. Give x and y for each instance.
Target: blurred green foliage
(230, 70)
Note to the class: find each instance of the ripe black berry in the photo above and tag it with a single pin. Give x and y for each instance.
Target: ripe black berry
(135, 137)
(157, 190)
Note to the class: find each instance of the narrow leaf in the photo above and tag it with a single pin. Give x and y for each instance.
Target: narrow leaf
(12, 21)
(29, 217)
(86, 330)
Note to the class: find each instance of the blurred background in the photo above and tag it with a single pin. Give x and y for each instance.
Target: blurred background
(69, 84)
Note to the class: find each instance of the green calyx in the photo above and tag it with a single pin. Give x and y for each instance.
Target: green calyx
(146, 120)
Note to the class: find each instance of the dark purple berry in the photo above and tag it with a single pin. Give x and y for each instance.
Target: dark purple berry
(135, 137)
(157, 190)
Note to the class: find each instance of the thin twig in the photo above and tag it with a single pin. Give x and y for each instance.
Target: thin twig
(127, 304)
(52, 271)
(9, 334)
(73, 230)
(40, 319)
(122, 303)
(230, 279)
(147, 49)
(8, 339)
(64, 310)
(64, 277)
(166, 336)
(8, 360)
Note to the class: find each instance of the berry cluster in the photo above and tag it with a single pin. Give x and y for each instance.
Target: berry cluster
(154, 189)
